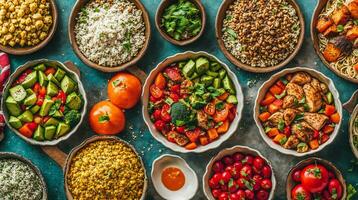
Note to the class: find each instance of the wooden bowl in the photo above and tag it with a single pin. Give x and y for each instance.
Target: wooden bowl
(229, 151)
(264, 89)
(85, 143)
(74, 74)
(71, 34)
(290, 184)
(158, 16)
(218, 31)
(9, 155)
(314, 37)
(18, 50)
(145, 99)
(352, 107)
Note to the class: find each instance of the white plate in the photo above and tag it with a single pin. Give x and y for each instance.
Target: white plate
(191, 180)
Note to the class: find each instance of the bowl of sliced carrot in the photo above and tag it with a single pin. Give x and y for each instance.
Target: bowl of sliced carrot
(298, 111)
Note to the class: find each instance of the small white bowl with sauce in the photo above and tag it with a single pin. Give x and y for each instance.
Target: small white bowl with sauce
(190, 186)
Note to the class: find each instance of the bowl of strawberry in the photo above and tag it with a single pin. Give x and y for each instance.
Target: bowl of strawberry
(192, 102)
(239, 173)
(315, 178)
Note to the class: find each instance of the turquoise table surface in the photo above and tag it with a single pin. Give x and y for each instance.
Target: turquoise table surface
(136, 132)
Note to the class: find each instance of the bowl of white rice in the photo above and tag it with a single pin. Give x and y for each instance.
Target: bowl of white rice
(109, 35)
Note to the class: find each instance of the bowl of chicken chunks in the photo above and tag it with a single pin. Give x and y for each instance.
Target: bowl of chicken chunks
(298, 111)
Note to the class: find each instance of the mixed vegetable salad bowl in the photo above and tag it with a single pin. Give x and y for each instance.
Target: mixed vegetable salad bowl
(298, 111)
(44, 102)
(192, 102)
(315, 178)
(239, 172)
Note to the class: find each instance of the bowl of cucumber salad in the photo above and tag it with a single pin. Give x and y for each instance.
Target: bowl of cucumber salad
(44, 102)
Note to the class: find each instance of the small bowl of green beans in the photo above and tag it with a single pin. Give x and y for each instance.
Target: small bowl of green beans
(180, 22)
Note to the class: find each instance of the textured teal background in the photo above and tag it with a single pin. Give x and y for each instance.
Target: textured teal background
(136, 132)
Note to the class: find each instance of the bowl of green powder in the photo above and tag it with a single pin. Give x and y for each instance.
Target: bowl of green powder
(20, 179)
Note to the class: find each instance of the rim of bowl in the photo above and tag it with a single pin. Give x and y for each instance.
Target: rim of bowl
(308, 161)
(229, 151)
(175, 157)
(71, 34)
(315, 40)
(11, 155)
(145, 95)
(354, 115)
(218, 33)
(158, 15)
(96, 138)
(17, 50)
(263, 89)
(15, 75)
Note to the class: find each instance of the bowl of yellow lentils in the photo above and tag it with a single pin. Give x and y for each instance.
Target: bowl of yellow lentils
(26, 26)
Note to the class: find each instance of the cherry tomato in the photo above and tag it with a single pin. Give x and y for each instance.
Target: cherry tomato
(166, 117)
(234, 196)
(224, 188)
(238, 157)
(300, 193)
(156, 92)
(160, 81)
(159, 125)
(249, 194)
(228, 160)
(232, 186)
(248, 160)
(50, 70)
(175, 89)
(266, 171)
(335, 188)
(174, 97)
(213, 184)
(173, 73)
(241, 194)
(241, 183)
(180, 129)
(258, 163)
(216, 193)
(62, 96)
(217, 178)
(266, 184)
(296, 176)
(262, 195)
(226, 176)
(224, 196)
(218, 166)
(246, 171)
(157, 114)
(257, 180)
(314, 178)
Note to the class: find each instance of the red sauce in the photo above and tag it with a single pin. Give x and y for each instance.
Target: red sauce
(173, 178)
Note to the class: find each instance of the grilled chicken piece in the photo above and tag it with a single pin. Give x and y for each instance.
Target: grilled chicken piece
(303, 131)
(288, 101)
(202, 118)
(289, 115)
(324, 87)
(301, 108)
(316, 85)
(313, 98)
(301, 78)
(295, 90)
(292, 142)
(316, 120)
(274, 119)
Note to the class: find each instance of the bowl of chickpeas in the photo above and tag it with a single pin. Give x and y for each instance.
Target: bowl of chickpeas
(26, 26)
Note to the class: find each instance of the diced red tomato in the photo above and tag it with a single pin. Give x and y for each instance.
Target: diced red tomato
(281, 84)
(62, 96)
(272, 108)
(40, 101)
(335, 118)
(42, 91)
(173, 73)
(275, 89)
(160, 81)
(329, 110)
(32, 126)
(26, 131)
(36, 88)
(159, 125)
(204, 140)
(315, 134)
(156, 92)
(157, 114)
(166, 117)
(269, 98)
(45, 119)
(50, 70)
(287, 131)
(324, 138)
(193, 135)
(175, 89)
(278, 102)
(174, 97)
(224, 96)
(264, 116)
(191, 146)
(273, 132)
(62, 109)
(153, 99)
(180, 129)
(328, 129)
(356, 67)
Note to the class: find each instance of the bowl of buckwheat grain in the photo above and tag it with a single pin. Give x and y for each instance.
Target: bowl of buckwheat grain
(259, 36)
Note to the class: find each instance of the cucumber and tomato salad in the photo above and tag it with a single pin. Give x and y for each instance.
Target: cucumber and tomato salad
(44, 103)
(192, 102)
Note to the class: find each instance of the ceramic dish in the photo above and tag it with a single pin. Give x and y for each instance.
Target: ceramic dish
(313, 160)
(71, 34)
(158, 16)
(352, 108)
(72, 71)
(265, 87)
(94, 139)
(321, 4)
(231, 151)
(190, 187)
(145, 96)
(219, 34)
(9, 155)
(17, 50)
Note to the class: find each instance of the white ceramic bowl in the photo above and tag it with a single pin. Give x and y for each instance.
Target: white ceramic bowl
(265, 87)
(230, 151)
(190, 187)
(145, 98)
